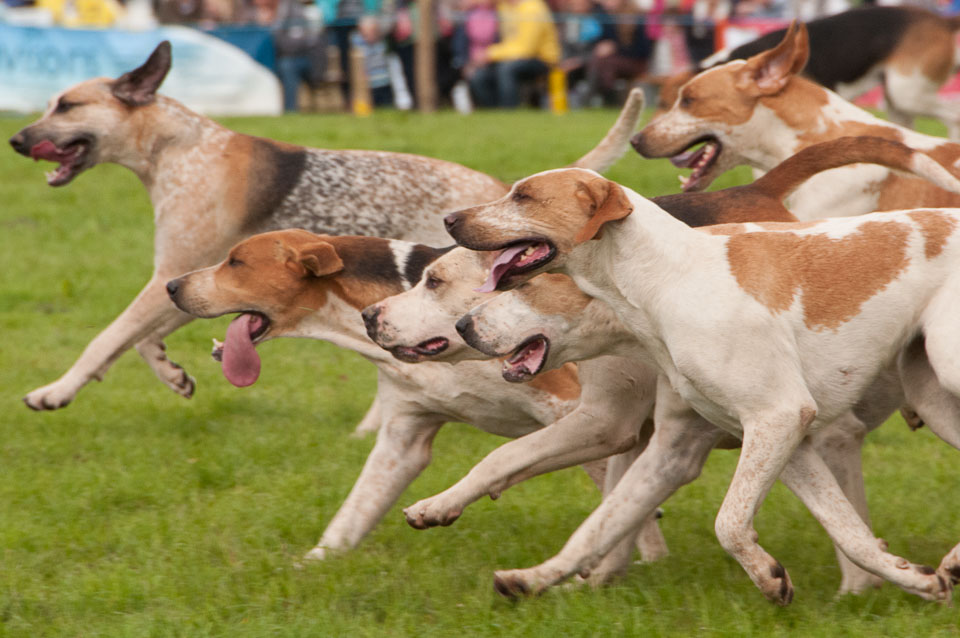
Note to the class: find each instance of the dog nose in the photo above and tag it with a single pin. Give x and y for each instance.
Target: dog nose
(450, 222)
(466, 329)
(19, 143)
(173, 286)
(370, 316)
(637, 142)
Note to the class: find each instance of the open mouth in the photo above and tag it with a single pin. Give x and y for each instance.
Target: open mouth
(701, 159)
(421, 351)
(238, 353)
(527, 360)
(70, 158)
(516, 259)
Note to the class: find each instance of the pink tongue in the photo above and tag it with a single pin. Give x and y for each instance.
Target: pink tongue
(500, 266)
(241, 363)
(47, 150)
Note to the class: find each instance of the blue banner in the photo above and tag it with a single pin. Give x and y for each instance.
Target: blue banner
(209, 75)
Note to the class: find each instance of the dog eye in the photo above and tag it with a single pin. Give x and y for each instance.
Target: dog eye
(686, 101)
(432, 282)
(63, 106)
(519, 196)
(233, 262)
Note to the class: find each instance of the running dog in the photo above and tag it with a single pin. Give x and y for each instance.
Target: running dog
(909, 50)
(211, 187)
(293, 283)
(760, 112)
(552, 322)
(770, 331)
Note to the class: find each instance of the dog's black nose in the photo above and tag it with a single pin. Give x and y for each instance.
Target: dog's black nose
(172, 287)
(450, 222)
(639, 144)
(466, 329)
(19, 143)
(370, 315)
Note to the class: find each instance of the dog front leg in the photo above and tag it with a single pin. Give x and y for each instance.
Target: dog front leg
(579, 437)
(617, 398)
(769, 439)
(154, 352)
(150, 310)
(371, 420)
(401, 452)
(648, 539)
(808, 477)
(675, 455)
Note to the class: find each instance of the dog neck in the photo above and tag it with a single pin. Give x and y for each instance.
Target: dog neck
(638, 262)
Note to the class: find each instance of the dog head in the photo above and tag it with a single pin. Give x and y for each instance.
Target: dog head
(418, 325)
(93, 122)
(540, 325)
(536, 226)
(288, 283)
(715, 113)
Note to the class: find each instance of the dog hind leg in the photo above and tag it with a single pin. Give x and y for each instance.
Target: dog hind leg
(808, 477)
(839, 445)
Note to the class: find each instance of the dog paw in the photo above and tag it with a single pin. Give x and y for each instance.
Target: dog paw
(777, 588)
(511, 584)
(533, 581)
(50, 397)
(950, 566)
(177, 379)
(431, 512)
(314, 556)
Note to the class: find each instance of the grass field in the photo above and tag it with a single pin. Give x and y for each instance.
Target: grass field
(134, 512)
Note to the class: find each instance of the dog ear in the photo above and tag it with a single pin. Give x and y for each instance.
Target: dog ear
(768, 72)
(139, 87)
(607, 202)
(318, 259)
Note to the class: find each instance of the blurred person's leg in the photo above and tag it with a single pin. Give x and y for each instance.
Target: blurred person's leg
(483, 85)
(382, 96)
(509, 76)
(340, 34)
(292, 71)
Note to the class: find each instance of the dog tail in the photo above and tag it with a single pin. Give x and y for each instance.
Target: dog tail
(866, 149)
(617, 140)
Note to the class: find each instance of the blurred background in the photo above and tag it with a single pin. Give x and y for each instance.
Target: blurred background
(261, 57)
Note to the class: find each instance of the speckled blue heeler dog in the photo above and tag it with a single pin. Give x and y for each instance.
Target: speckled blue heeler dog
(211, 187)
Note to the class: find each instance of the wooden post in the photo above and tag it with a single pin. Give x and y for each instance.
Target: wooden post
(426, 57)
(361, 101)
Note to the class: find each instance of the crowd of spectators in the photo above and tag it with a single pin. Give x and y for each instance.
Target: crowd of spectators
(490, 53)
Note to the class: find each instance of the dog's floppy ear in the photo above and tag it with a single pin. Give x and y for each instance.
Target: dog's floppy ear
(317, 259)
(606, 202)
(139, 87)
(768, 72)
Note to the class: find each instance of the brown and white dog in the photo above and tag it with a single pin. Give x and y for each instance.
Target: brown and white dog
(293, 283)
(760, 112)
(211, 187)
(769, 331)
(907, 49)
(549, 321)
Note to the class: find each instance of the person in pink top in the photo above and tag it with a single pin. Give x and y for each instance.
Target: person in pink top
(481, 30)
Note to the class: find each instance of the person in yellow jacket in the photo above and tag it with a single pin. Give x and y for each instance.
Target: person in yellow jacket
(528, 47)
